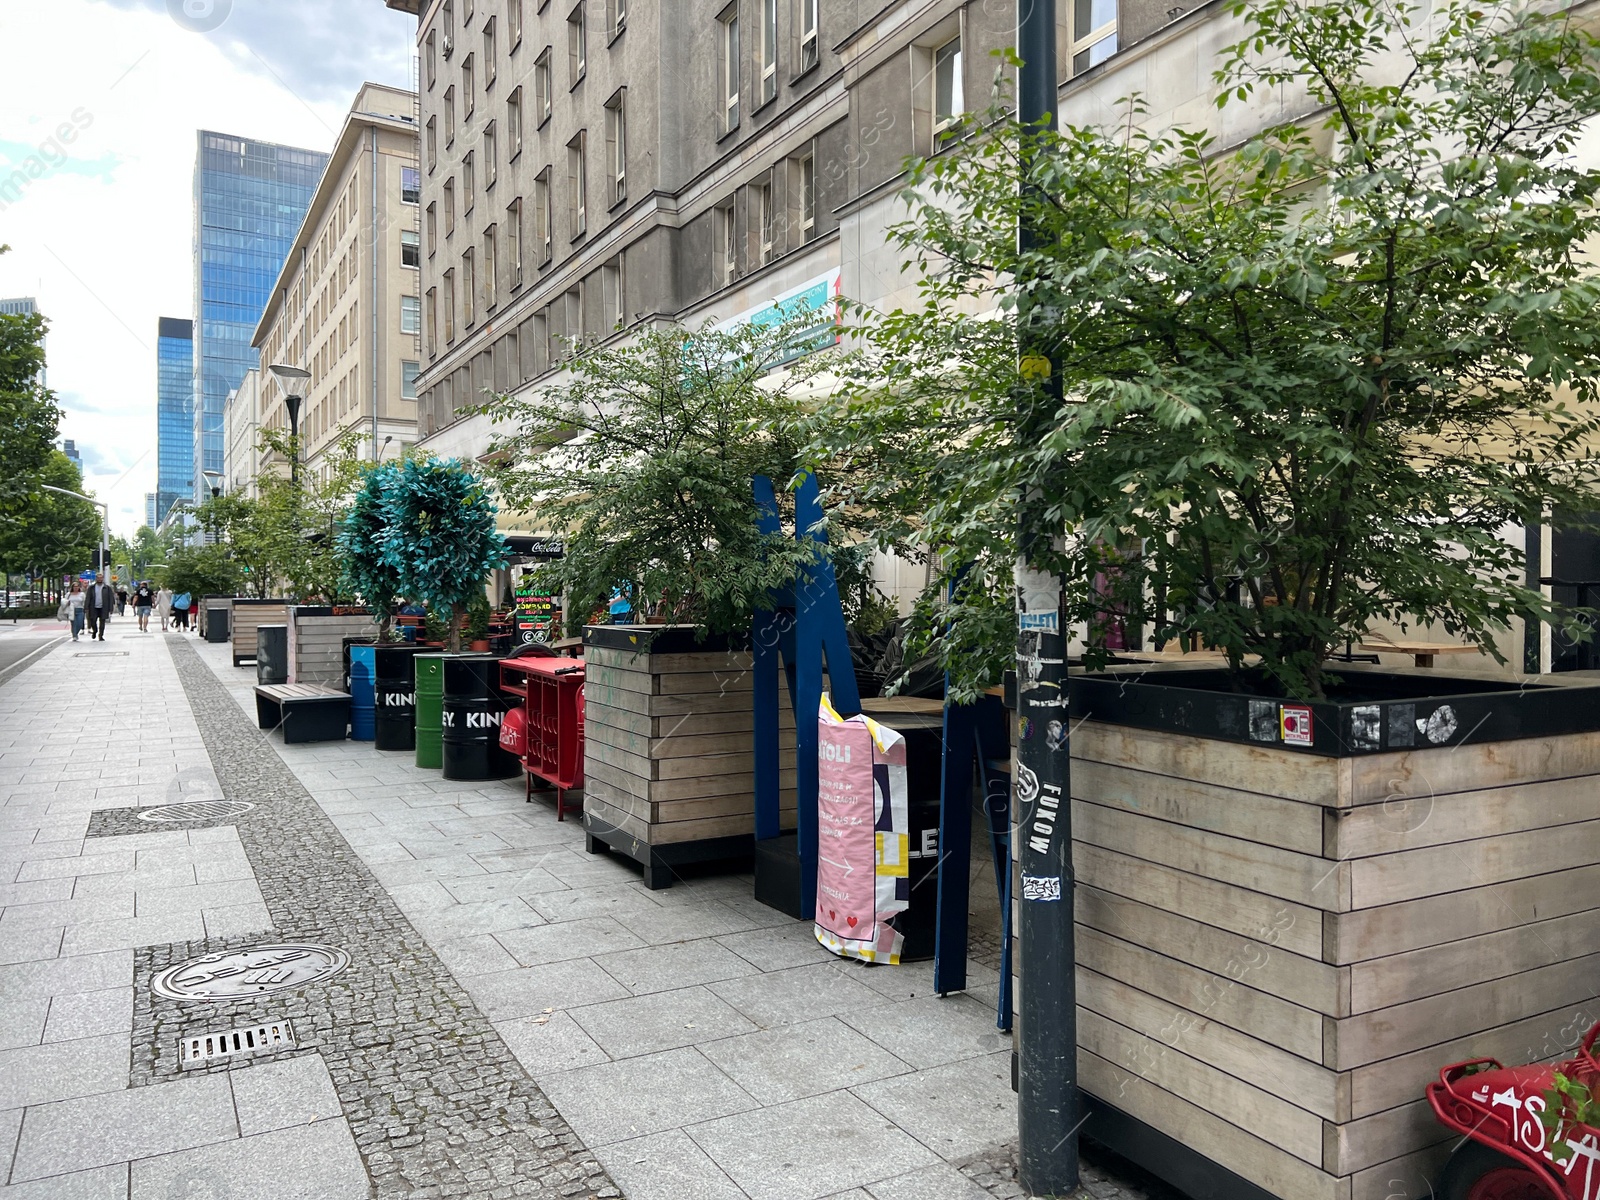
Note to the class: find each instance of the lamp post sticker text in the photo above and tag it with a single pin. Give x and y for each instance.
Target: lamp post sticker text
(1041, 887)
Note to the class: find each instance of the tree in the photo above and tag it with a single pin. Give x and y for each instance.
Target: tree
(52, 535)
(202, 571)
(29, 415)
(644, 462)
(1286, 390)
(439, 535)
(368, 571)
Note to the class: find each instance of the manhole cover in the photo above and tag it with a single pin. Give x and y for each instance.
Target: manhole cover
(239, 974)
(199, 1049)
(195, 810)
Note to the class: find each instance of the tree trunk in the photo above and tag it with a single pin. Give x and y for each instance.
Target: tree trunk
(457, 611)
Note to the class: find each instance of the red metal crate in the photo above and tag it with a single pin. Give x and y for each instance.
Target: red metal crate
(552, 692)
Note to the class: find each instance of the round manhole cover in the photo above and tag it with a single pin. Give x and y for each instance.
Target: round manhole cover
(196, 810)
(240, 974)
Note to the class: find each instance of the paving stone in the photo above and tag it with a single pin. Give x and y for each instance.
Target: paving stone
(957, 1110)
(564, 940)
(104, 1183)
(551, 1042)
(667, 1166)
(942, 1182)
(281, 1094)
(660, 1021)
(663, 1091)
(88, 1014)
(933, 1030)
(40, 1074)
(676, 965)
(319, 1162)
(796, 995)
(795, 1061)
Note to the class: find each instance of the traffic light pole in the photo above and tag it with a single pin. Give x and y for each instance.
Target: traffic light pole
(1047, 1026)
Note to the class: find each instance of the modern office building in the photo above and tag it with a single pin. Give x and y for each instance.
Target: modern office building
(174, 415)
(69, 447)
(150, 511)
(346, 305)
(18, 306)
(249, 200)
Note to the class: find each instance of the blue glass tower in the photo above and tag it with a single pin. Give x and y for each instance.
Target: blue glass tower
(174, 416)
(249, 200)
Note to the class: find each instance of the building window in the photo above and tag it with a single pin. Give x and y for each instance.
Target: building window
(469, 181)
(408, 378)
(577, 47)
(449, 28)
(469, 93)
(466, 13)
(410, 248)
(578, 181)
(730, 68)
(433, 321)
(513, 24)
(432, 56)
(611, 286)
(542, 216)
(574, 317)
(410, 315)
(514, 244)
(491, 270)
(410, 185)
(808, 34)
(489, 66)
(433, 228)
(617, 146)
(469, 288)
(541, 84)
(768, 220)
(769, 49)
(490, 156)
(449, 306)
(1094, 33)
(514, 125)
(948, 103)
(449, 115)
(808, 195)
(433, 142)
(616, 18)
(449, 206)
(727, 245)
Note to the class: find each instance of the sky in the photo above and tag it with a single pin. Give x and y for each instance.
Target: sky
(104, 237)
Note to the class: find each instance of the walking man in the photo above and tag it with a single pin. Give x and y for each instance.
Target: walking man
(143, 600)
(102, 599)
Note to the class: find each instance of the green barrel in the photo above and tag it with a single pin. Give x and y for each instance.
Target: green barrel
(430, 710)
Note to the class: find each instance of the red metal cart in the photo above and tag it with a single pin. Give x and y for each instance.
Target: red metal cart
(549, 736)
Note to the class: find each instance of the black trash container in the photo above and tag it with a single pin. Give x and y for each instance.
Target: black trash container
(473, 708)
(272, 653)
(394, 698)
(217, 626)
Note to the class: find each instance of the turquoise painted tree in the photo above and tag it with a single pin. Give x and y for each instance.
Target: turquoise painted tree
(439, 535)
(365, 566)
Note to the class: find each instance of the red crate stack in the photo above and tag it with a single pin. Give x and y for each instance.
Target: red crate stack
(552, 692)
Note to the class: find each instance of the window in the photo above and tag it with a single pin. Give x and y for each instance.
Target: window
(433, 142)
(432, 56)
(577, 47)
(514, 125)
(449, 306)
(469, 93)
(469, 288)
(769, 49)
(449, 206)
(617, 147)
(541, 85)
(616, 17)
(808, 195)
(433, 228)
(449, 115)
(514, 244)
(433, 321)
(542, 215)
(408, 378)
(948, 104)
(410, 315)
(1094, 33)
(449, 28)
(727, 246)
(808, 34)
(768, 220)
(410, 185)
(574, 315)
(513, 24)
(469, 181)
(466, 12)
(488, 54)
(611, 286)
(490, 155)
(491, 270)
(730, 69)
(410, 248)
(578, 181)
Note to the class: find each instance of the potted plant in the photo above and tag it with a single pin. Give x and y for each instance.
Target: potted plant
(1275, 391)
(477, 618)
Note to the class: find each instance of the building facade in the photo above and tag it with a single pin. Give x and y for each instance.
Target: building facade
(346, 304)
(241, 423)
(249, 200)
(175, 474)
(18, 306)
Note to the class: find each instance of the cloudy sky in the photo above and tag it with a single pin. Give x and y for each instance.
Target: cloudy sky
(103, 238)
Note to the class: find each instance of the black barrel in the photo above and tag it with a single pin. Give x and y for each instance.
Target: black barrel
(472, 710)
(394, 698)
(272, 653)
(217, 622)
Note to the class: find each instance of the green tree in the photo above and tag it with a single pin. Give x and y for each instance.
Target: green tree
(1282, 391)
(52, 535)
(29, 415)
(368, 572)
(202, 571)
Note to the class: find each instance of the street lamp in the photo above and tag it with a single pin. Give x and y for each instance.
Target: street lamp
(214, 479)
(105, 520)
(291, 379)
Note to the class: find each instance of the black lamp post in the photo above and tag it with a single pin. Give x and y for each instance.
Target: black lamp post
(291, 379)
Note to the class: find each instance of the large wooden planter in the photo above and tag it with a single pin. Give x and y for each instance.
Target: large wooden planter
(248, 613)
(668, 752)
(1279, 946)
(317, 634)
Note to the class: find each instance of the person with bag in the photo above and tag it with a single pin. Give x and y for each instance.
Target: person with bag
(164, 605)
(71, 608)
(102, 598)
(180, 610)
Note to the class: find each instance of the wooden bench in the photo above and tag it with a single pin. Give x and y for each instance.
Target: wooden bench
(308, 712)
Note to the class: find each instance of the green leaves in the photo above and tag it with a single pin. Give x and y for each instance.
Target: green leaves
(28, 411)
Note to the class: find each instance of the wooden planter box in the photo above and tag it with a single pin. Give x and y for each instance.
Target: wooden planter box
(668, 757)
(317, 634)
(1280, 945)
(248, 612)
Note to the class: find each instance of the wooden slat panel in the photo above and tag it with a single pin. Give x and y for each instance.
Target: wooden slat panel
(1382, 1137)
(663, 706)
(679, 768)
(661, 664)
(1238, 910)
(1374, 777)
(596, 715)
(1407, 1178)
(669, 811)
(676, 789)
(682, 683)
(1260, 769)
(1410, 874)
(1291, 824)
(672, 745)
(675, 833)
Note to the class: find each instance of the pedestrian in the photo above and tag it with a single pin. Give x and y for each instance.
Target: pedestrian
(122, 600)
(72, 608)
(164, 605)
(102, 598)
(180, 610)
(143, 600)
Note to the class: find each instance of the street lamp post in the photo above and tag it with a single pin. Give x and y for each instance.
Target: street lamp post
(214, 481)
(291, 379)
(105, 520)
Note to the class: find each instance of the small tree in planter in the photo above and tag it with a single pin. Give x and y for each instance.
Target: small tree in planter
(1310, 382)
(368, 571)
(440, 537)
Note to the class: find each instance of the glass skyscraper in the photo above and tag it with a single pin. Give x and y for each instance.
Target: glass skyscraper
(249, 200)
(174, 417)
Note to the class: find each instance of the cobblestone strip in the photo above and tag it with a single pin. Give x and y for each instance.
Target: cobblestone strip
(1101, 1177)
(438, 1104)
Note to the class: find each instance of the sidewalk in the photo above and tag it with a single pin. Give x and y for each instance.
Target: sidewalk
(517, 1018)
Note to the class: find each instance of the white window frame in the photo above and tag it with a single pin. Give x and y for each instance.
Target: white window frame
(514, 124)
(449, 116)
(617, 146)
(578, 181)
(616, 18)
(730, 68)
(807, 181)
(612, 297)
(410, 307)
(544, 214)
(577, 46)
(449, 306)
(1080, 54)
(513, 24)
(769, 50)
(768, 230)
(543, 85)
(469, 182)
(415, 245)
(416, 369)
(491, 268)
(727, 243)
(490, 66)
(491, 156)
(469, 88)
(514, 243)
(469, 287)
(958, 100)
(433, 321)
(809, 48)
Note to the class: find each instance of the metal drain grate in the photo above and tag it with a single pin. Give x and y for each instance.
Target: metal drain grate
(101, 654)
(203, 1048)
(195, 810)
